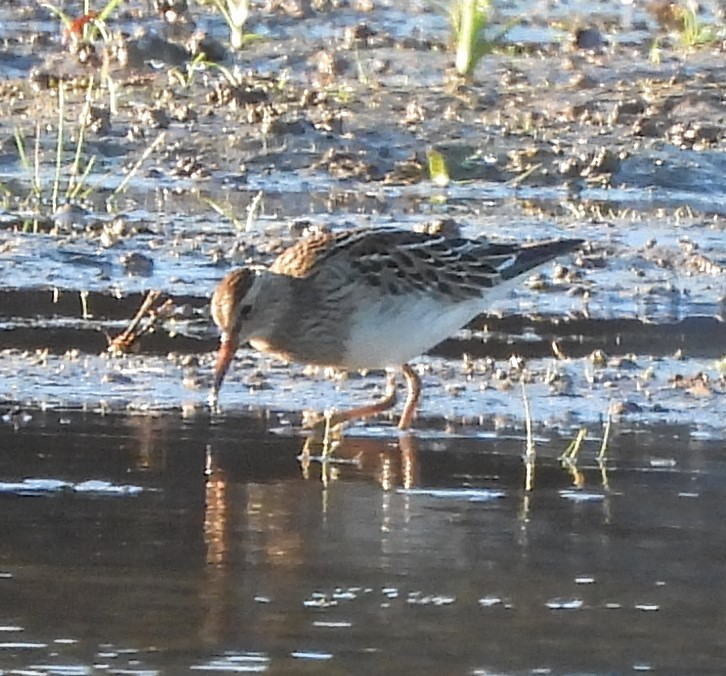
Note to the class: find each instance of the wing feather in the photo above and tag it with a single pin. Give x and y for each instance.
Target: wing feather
(406, 262)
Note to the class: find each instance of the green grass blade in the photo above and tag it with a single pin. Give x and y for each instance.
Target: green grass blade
(438, 171)
(72, 194)
(58, 147)
(73, 188)
(37, 187)
(122, 186)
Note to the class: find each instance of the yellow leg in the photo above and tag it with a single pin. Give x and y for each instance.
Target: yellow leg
(386, 402)
(412, 398)
(334, 419)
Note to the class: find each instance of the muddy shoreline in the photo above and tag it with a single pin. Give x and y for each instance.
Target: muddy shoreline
(328, 121)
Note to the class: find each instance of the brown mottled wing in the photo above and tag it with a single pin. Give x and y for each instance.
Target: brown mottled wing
(304, 257)
(398, 261)
(404, 262)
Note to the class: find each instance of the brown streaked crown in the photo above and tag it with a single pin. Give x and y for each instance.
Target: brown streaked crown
(227, 296)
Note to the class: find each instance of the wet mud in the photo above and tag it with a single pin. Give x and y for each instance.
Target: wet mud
(192, 169)
(144, 533)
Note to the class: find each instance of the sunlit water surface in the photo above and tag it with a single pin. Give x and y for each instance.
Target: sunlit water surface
(153, 544)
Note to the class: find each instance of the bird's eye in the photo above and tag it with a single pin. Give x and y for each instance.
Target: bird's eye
(244, 311)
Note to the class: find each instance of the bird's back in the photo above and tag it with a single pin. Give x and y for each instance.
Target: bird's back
(400, 262)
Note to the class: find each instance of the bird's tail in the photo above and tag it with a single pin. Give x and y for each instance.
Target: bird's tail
(531, 256)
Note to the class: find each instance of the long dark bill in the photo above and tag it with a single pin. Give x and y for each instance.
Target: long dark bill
(227, 348)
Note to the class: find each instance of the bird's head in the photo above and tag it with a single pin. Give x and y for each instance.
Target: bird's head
(232, 304)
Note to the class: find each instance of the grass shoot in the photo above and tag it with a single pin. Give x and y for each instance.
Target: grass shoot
(438, 171)
(530, 451)
(235, 13)
(605, 437)
(695, 32)
(469, 21)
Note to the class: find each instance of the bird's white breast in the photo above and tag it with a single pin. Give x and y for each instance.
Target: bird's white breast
(393, 331)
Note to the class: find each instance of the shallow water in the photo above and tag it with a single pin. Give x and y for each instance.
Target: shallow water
(207, 545)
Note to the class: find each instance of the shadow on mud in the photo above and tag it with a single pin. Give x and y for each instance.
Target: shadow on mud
(40, 319)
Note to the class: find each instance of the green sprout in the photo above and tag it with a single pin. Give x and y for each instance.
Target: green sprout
(438, 169)
(235, 13)
(186, 79)
(71, 171)
(75, 179)
(695, 32)
(469, 20)
(246, 225)
(89, 24)
(655, 51)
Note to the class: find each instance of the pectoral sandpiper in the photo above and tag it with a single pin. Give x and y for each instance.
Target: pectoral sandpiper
(371, 298)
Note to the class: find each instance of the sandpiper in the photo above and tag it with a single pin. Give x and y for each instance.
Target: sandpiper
(369, 298)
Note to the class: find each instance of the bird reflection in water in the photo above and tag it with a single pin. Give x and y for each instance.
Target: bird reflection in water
(392, 462)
